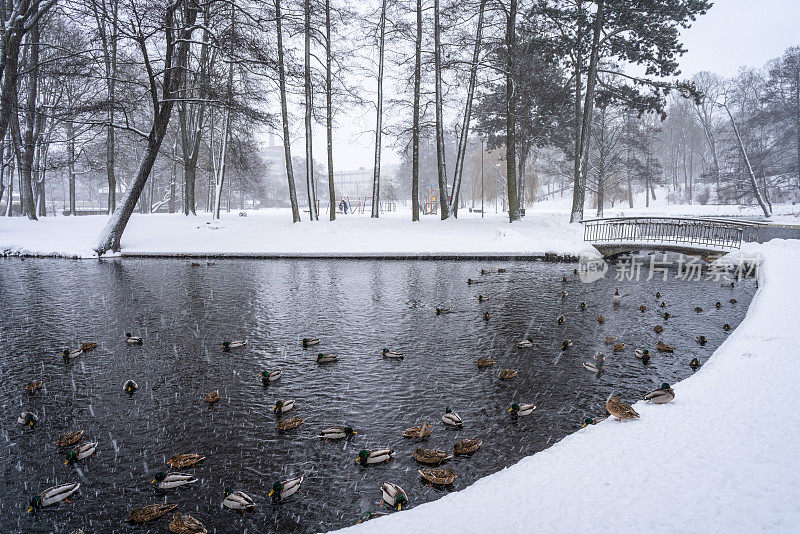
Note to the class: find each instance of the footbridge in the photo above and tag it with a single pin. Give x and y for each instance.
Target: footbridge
(705, 236)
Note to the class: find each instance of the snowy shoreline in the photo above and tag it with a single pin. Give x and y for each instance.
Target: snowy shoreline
(719, 458)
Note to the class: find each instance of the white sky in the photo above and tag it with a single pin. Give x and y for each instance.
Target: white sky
(734, 33)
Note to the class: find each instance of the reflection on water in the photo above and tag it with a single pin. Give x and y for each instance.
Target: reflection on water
(357, 308)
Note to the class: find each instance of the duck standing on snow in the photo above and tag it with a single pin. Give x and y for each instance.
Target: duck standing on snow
(619, 409)
(286, 488)
(391, 354)
(52, 496)
(238, 500)
(374, 456)
(130, 387)
(337, 432)
(28, 419)
(228, 345)
(166, 481)
(521, 410)
(84, 450)
(451, 418)
(310, 341)
(133, 340)
(393, 495)
(661, 395)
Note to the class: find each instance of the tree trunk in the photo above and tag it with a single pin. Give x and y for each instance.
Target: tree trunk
(511, 114)
(310, 184)
(287, 151)
(71, 165)
(444, 202)
(415, 127)
(577, 189)
(376, 176)
(329, 108)
(177, 48)
(751, 175)
(464, 137)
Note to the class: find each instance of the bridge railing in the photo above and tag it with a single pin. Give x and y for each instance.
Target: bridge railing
(698, 232)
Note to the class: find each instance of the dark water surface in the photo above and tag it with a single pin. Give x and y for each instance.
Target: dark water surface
(183, 312)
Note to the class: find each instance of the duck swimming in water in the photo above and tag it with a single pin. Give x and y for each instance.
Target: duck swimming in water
(619, 347)
(374, 456)
(270, 376)
(597, 365)
(698, 309)
(451, 418)
(228, 345)
(69, 355)
(726, 327)
(28, 419)
(485, 362)
(442, 311)
(52, 496)
(507, 374)
(694, 364)
(212, 397)
(567, 343)
(133, 340)
(467, 446)
(393, 495)
(583, 306)
(283, 406)
(601, 319)
(35, 385)
(663, 347)
(701, 339)
(391, 354)
(326, 358)
(309, 341)
(658, 329)
(526, 343)
(718, 305)
(130, 387)
(165, 481)
(335, 433)
(238, 500)
(84, 450)
(643, 355)
(560, 319)
(617, 297)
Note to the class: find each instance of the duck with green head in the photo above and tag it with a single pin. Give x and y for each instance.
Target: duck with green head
(337, 432)
(374, 456)
(84, 450)
(661, 395)
(393, 495)
(286, 488)
(52, 496)
(521, 410)
(130, 387)
(238, 500)
(270, 376)
(68, 355)
(28, 419)
(228, 345)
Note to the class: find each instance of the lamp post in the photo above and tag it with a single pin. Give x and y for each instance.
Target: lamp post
(481, 177)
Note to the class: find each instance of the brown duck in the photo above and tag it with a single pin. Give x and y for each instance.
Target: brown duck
(69, 438)
(485, 362)
(181, 461)
(507, 374)
(663, 347)
(151, 512)
(467, 446)
(619, 409)
(422, 430)
(290, 423)
(443, 477)
(431, 456)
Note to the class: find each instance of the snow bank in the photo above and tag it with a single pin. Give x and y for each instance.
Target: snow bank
(272, 232)
(720, 458)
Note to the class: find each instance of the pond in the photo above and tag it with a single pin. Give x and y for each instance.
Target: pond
(183, 311)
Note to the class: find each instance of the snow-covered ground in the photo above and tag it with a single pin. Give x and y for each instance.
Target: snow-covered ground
(719, 458)
(270, 231)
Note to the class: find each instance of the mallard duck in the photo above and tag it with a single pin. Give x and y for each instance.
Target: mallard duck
(69, 438)
(726, 327)
(564, 295)
(521, 410)
(366, 516)
(610, 340)
(507, 374)
(583, 306)
(733, 301)
(28, 418)
(597, 365)
(310, 341)
(238, 500)
(483, 298)
(394, 355)
(560, 319)
(663, 347)
(658, 329)
(374, 456)
(270, 376)
(728, 284)
(718, 305)
(501, 270)
(485, 362)
(564, 279)
(228, 345)
(619, 409)
(643, 355)
(694, 364)
(588, 421)
(422, 430)
(441, 311)
(283, 406)
(84, 450)
(526, 343)
(337, 432)
(182, 461)
(698, 309)
(71, 354)
(619, 347)
(467, 446)
(172, 480)
(661, 395)
(89, 345)
(642, 308)
(130, 387)
(451, 418)
(666, 315)
(431, 456)
(52, 496)
(470, 281)
(393, 495)
(133, 340)
(35, 385)
(662, 305)
(485, 316)
(289, 423)
(442, 477)
(286, 488)
(616, 299)
(186, 524)
(326, 358)
(484, 271)
(658, 294)
(601, 319)
(701, 339)
(212, 397)
(151, 512)
(567, 343)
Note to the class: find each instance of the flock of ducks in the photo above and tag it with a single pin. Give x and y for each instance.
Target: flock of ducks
(391, 494)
